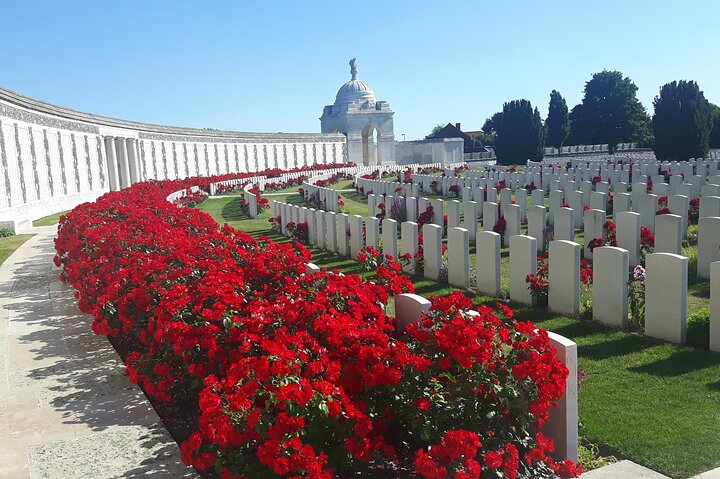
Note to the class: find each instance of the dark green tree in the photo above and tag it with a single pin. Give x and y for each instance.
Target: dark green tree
(715, 131)
(489, 125)
(557, 124)
(682, 122)
(436, 129)
(609, 113)
(520, 133)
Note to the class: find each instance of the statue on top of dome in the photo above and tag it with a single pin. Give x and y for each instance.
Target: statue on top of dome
(353, 69)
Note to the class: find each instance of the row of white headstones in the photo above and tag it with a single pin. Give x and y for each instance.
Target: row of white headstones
(610, 283)
(666, 273)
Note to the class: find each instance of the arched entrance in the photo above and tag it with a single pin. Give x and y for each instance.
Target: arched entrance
(371, 145)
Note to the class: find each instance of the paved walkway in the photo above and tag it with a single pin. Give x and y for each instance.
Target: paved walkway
(66, 410)
(630, 470)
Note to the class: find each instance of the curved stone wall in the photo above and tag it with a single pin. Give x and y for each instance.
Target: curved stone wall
(54, 158)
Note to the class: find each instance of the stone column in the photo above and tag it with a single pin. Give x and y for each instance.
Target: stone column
(122, 156)
(112, 163)
(133, 160)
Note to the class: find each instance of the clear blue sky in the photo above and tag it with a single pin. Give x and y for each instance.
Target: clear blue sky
(272, 66)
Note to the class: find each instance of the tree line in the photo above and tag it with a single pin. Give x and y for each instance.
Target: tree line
(684, 124)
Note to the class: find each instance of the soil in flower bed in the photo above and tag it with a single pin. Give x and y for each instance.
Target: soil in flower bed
(180, 416)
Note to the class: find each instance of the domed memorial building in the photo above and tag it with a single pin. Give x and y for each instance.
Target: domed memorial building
(367, 122)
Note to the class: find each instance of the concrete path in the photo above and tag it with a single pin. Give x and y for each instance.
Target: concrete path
(623, 470)
(66, 410)
(630, 470)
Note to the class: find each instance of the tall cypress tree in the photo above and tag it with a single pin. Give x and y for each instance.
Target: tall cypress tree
(557, 124)
(520, 133)
(715, 131)
(682, 122)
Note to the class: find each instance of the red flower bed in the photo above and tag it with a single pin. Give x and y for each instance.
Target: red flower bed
(302, 375)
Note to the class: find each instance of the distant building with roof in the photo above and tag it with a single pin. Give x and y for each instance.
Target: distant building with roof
(471, 144)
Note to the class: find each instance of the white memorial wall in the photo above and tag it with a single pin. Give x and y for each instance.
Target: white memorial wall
(52, 158)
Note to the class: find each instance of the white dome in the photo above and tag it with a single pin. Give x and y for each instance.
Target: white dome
(354, 91)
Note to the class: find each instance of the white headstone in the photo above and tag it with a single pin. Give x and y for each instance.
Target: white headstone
(564, 228)
(411, 211)
(409, 232)
(453, 214)
(556, 202)
(679, 205)
(432, 251)
(490, 215)
(666, 297)
(470, 217)
(621, 203)
(389, 237)
(331, 231)
(356, 235)
(538, 197)
(536, 225)
(505, 200)
(564, 277)
(491, 195)
(715, 306)
(320, 224)
(488, 263)
(312, 230)
(343, 228)
(708, 244)
(372, 231)
(575, 200)
(598, 201)
(458, 257)
(523, 262)
(372, 209)
(409, 309)
(438, 211)
(647, 210)
(521, 201)
(668, 234)
(709, 206)
(628, 234)
(512, 222)
(610, 287)
(594, 228)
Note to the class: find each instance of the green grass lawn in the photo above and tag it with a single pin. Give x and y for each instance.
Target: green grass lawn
(651, 402)
(10, 244)
(50, 220)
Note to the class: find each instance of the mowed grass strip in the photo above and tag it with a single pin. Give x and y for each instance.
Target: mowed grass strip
(10, 243)
(654, 403)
